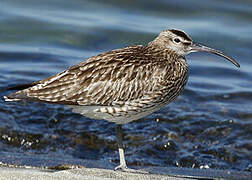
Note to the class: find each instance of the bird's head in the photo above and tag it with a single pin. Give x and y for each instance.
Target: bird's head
(180, 43)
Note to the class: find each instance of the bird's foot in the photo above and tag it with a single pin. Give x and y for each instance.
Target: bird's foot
(124, 168)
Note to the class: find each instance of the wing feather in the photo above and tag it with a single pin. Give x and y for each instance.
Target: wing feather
(114, 77)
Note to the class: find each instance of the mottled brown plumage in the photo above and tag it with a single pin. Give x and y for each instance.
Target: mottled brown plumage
(123, 81)
(121, 85)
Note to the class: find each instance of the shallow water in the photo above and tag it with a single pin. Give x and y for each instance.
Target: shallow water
(209, 125)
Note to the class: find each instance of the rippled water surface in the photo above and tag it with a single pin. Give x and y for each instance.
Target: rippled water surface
(209, 125)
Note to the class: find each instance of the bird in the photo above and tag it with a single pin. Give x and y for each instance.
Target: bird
(121, 85)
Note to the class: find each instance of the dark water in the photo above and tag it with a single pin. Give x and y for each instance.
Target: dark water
(209, 125)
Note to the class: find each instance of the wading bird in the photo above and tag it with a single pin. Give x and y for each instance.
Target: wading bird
(121, 85)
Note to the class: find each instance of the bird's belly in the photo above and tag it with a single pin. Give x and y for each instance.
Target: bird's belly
(118, 115)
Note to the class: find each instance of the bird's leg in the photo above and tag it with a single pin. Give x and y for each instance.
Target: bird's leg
(123, 165)
(119, 138)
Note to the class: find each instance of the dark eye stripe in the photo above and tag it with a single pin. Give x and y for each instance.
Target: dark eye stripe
(187, 43)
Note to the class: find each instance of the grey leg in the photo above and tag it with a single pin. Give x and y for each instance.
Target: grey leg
(123, 166)
(119, 137)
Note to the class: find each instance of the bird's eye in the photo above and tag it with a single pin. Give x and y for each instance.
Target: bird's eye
(176, 40)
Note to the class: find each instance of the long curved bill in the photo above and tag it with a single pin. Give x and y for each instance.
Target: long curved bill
(195, 47)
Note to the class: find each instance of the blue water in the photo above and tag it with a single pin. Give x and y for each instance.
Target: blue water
(209, 125)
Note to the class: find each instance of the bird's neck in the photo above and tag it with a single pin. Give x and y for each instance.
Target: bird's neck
(163, 52)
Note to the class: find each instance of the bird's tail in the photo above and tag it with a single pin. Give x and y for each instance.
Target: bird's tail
(17, 96)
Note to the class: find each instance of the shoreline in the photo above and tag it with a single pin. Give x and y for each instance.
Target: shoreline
(16, 172)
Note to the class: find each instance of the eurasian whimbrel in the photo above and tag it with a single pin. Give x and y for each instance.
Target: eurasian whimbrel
(121, 85)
